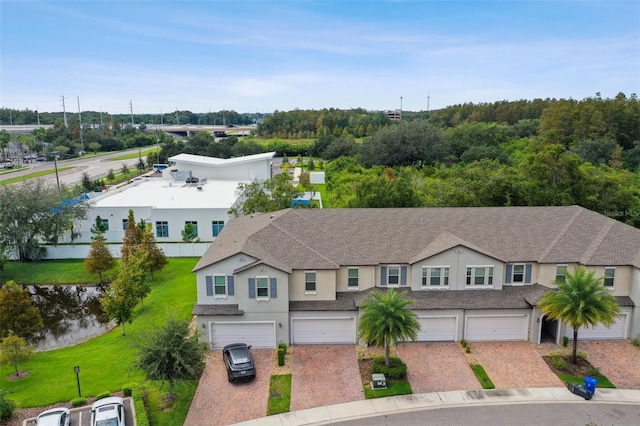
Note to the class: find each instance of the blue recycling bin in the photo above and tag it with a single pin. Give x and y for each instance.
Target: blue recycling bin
(590, 384)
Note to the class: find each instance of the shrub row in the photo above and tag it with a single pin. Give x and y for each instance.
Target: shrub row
(282, 353)
(397, 369)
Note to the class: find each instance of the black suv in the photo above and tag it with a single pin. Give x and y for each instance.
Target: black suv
(239, 362)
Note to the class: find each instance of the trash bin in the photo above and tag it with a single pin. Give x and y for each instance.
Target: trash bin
(590, 384)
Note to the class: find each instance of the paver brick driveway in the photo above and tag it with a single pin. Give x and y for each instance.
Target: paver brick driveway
(437, 367)
(514, 365)
(218, 402)
(324, 375)
(618, 360)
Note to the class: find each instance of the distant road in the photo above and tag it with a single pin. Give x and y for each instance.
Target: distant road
(95, 166)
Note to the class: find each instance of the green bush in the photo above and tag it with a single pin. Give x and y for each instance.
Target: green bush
(565, 341)
(103, 395)
(468, 349)
(281, 354)
(140, 405)
(283, 346)
(636, 342)
(566, 353)
(127, 390)
(559, 363)
(397, 369)
(463, 342)
(78, 402)
(594, 371)
(7, 406)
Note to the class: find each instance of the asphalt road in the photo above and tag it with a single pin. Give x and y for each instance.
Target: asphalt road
(95, 166)
(581, 414)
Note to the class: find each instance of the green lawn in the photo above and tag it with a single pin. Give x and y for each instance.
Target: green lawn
(482, 376)
(142, 153)
(279, 394)
(33, 175)
(393, 388)
(106, 361)
(603, 382)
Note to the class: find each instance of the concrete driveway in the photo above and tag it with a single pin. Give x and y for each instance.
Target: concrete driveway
(324, 375)
(618, 360)
(218, 402)
(514, 365)
(437, 367)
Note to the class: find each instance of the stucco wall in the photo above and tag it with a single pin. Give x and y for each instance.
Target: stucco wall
(325, 285)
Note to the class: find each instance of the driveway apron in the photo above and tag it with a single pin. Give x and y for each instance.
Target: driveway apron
(324, 375)
(218, 402)
(514, 365)
(618, 360)
(437, 367)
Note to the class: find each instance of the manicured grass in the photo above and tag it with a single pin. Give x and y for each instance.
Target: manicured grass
(603, 382)
(164, 412)
(279, 394)
(393, 388)
(106, 362)
(482, 376)
(68, 271)
(32, 175)
(129, 156)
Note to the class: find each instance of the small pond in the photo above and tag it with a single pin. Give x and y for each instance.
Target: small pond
(70, 314)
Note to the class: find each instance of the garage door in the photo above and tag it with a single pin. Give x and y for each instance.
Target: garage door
(600, 332)
(323, 330)
(437, 329)
(496, 327)
(258, 334)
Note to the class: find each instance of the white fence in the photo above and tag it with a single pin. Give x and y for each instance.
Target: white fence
(81, 251)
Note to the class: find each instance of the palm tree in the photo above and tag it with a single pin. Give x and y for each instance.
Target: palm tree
(386, 320)
(581, 300)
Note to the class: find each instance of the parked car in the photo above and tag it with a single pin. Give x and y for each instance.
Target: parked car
(192, 179)
(54, 417)
(108, 412)
(239, 362)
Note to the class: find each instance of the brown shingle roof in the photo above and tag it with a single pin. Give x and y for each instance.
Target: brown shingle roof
(327, 238)
(216, 310)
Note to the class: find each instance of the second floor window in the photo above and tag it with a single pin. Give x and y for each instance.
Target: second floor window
(435, 276)
(310, 281)
(162, 229)
(561, 273)
(393, 277)
(220, 285)
(479, 275)
(352, 277)
(609, 276)
(125, 222)
(262, 286)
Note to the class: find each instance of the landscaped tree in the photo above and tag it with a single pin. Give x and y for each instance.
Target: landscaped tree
(268, 195)
(132, 238)
(33, 212)
(100, 258)
(118, 301)
(14, 349)
(99, 227)
(581, 300)
(386, 320)
(94, 146)
(154, 255)
(189, 233)
(170, 353)
(135, 272)
(87, 183)
(17, 312)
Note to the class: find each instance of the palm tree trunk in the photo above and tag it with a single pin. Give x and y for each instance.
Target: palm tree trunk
(123, 328)
(387, 351)
(574, 354)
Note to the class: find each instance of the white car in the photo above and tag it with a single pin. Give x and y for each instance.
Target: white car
(54, 417)
(108, 412)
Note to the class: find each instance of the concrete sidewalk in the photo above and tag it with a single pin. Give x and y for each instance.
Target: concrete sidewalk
(381, 406)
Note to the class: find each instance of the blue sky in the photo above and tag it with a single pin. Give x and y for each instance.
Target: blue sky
(268, 55)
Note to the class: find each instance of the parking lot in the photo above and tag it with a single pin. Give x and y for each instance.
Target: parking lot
(81, 416)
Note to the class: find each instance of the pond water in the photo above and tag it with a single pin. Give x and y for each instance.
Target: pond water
(70, 314)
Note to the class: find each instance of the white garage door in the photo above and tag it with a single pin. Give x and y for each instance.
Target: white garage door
(496, 327)
(258, 334)
(600, 332)
(437, 329)
(323, 330)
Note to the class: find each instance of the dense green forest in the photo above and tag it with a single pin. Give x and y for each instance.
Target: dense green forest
(540, 152)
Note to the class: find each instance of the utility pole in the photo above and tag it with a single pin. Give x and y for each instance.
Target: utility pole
(161, 118)
(400, 107)
(177, 118)
(38, 114)
(131, 111)
(101, 122)
(80, 120)
(428, 98)
(64, 112)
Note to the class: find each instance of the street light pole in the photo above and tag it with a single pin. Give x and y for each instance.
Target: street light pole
(55, 163)
(77, 371)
